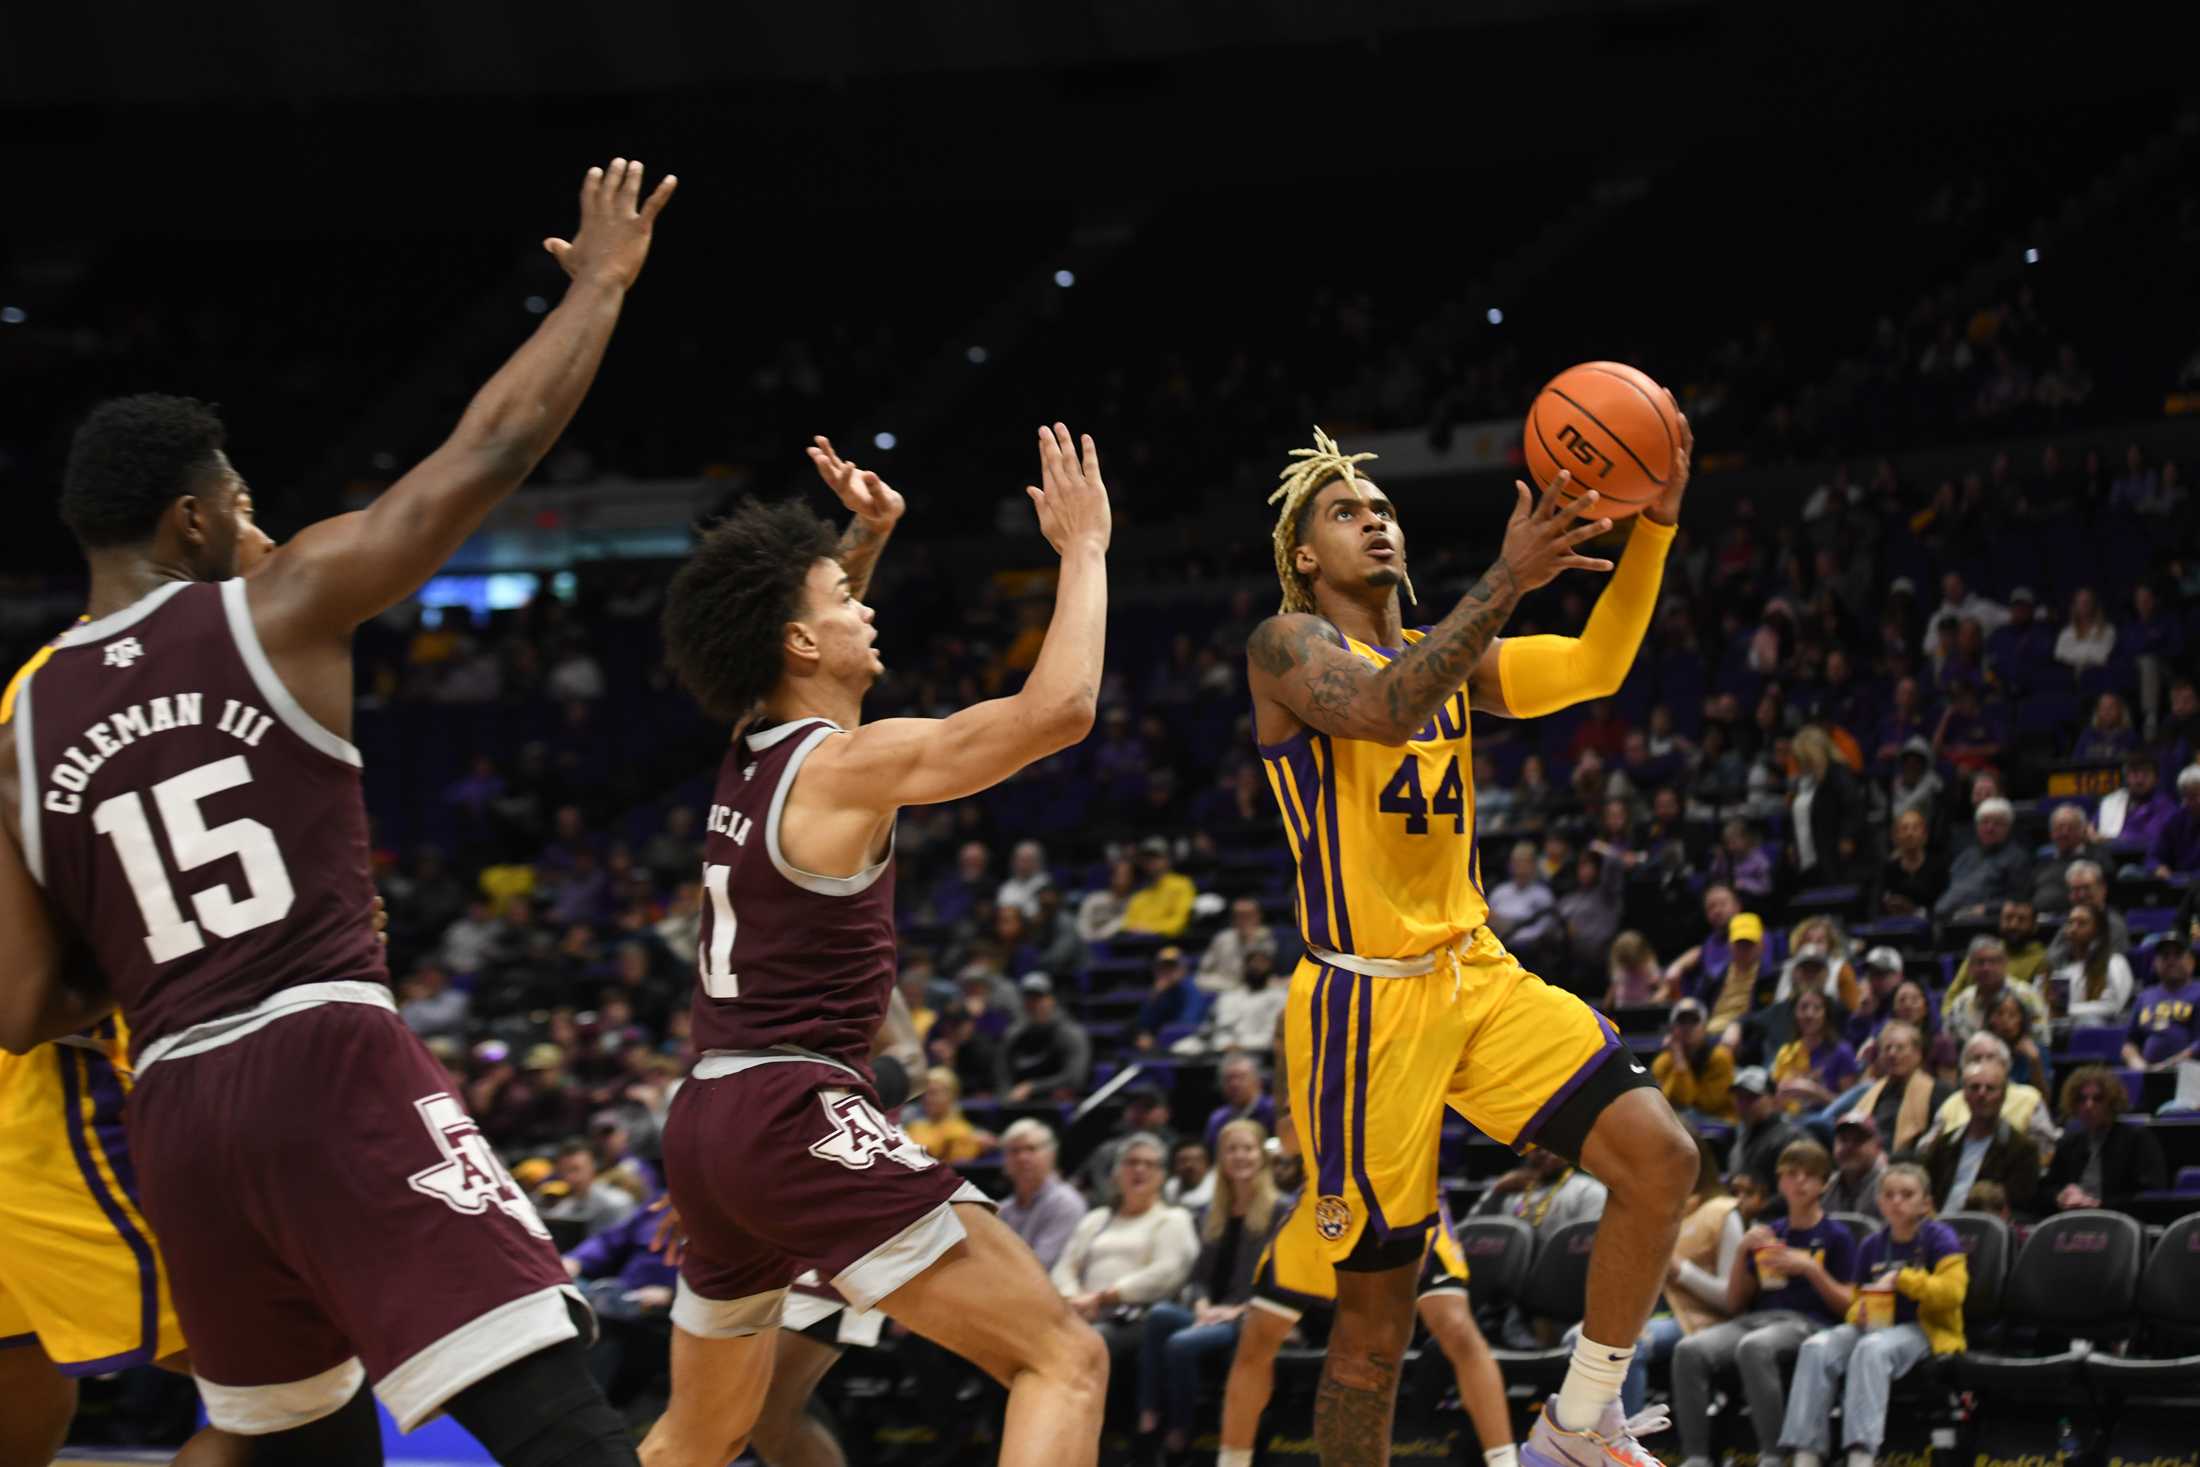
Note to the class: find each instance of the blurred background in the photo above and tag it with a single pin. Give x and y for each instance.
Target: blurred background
(1926, 280)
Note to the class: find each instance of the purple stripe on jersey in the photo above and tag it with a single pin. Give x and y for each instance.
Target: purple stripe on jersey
(72, 1093)
(1295, 768)
(108, 1096)
(1340, 920)
(1335, 1006)
(1580, 1076)
(1364, 990)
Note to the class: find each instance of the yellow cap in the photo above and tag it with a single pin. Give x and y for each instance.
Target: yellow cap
(1746, 927)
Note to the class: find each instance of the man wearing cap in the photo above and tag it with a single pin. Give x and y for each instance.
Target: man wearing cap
(2070, 835)
(1766, 1129)
(2163, 1031)
(1965, 1013)
(2021, 652)
(1162, 905)
(1046, 1051)
(1738, 989)
(1859, 1161)
(1988, 873)
(1171, 1000)
(1696, 1075)
(2132, 816)
(1882, 975)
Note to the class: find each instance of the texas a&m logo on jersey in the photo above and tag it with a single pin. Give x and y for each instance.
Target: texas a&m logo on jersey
(124, 652)
(860, 1135)
(470, 1178)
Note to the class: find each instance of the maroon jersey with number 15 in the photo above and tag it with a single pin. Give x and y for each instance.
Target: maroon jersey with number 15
(188, 817)
(786, 957)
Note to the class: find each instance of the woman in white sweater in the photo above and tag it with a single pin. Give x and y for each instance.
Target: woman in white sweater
(1125, 1257)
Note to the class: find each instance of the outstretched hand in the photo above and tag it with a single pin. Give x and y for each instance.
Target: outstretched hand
(1540, 538)
(864, 493)
(670, 1239)
(1073, 505)
(1667, 510)
(616, 224)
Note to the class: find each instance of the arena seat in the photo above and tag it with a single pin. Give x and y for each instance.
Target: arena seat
(2168, 1338)
(1987, 1246)
(1556, 1288)
(1499, 1251)
(2073, 1285)
(1860, 1225)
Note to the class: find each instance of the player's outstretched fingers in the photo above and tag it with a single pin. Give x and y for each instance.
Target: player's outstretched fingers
(1092, 458)
(659, 197)
(630, 190)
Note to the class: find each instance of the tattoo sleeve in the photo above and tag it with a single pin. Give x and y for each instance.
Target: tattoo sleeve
(859, 552)
(1336, 692)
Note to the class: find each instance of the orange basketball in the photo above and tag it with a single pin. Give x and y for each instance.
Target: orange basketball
(1613, 426)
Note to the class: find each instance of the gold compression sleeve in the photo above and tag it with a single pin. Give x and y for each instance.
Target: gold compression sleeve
(1541, 675)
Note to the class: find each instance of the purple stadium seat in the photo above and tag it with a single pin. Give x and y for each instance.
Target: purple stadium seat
(2188, 1179)
(2096, 1043)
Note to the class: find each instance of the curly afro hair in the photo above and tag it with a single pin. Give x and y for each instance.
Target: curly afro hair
(727, 606)
(131, 458)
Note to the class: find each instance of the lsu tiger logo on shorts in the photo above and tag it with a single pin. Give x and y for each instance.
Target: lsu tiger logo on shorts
(1332, 1217)
(470, 1179)
(860, 1135)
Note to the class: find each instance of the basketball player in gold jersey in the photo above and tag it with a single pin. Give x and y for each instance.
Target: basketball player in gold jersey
(1406, 1002)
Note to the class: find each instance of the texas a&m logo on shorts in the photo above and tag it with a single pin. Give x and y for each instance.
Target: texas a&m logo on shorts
(860, 1135)
(470, 1178)
(1332, 1217)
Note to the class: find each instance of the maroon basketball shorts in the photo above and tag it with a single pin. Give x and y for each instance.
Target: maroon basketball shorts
(330, 1214)
(781, 1163)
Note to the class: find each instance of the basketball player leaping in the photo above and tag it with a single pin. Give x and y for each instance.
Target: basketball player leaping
(1406, 1002)
(777, 1155)
(180, 801)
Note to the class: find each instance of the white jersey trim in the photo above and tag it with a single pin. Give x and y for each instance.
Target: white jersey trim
(26, 778)
(279, 699)
(229, 1028)
(771, 736)
(416, 1390)
(717, 1064)
(726, 1319)
(832, 886)
(259, 1410)
(908, 1253)
(123, 620)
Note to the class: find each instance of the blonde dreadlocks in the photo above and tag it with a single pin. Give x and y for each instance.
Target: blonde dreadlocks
(1315, 468)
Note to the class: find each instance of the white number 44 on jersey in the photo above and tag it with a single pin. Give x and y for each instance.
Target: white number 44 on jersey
(860, 1135)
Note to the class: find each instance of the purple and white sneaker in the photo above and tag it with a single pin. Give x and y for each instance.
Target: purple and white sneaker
(1611, 1443)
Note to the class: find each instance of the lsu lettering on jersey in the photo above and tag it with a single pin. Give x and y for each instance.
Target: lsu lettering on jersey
(1405, 1002)
(79, 1273)
(1384, 837)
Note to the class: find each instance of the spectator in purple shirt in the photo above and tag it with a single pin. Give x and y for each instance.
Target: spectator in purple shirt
(2176, 846)
(1243, 1098)
(2132, 816)
(1041, 1208)
(2163, 1031)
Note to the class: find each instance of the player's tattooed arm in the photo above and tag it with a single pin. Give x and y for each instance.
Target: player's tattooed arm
(876, 506)
(1298, 661)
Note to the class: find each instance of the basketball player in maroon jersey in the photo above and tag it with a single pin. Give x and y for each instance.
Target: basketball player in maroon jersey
(778, 1157)
(183, 819)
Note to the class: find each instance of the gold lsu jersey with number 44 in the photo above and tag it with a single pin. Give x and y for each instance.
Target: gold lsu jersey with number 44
(1383, 835)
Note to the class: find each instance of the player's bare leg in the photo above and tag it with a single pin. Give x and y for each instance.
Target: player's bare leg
(1252, 1381)
(1481, 1385)
(718, 1389)
(1359, 1391)
(1640, 1150)
(786, 1434)
(37, 1403)
(988, 1300)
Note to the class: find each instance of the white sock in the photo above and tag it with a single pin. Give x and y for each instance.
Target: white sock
(1858, 1457)
(1234, 1457)
(1593, 1380)
(1505, 1456)
(1806, 1459)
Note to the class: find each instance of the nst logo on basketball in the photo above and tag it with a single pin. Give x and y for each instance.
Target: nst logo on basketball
(1582, 449)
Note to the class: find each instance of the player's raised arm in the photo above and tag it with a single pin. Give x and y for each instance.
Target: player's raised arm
(922, 761)
(1297, 662)
(338, 573)
(1526, 677)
